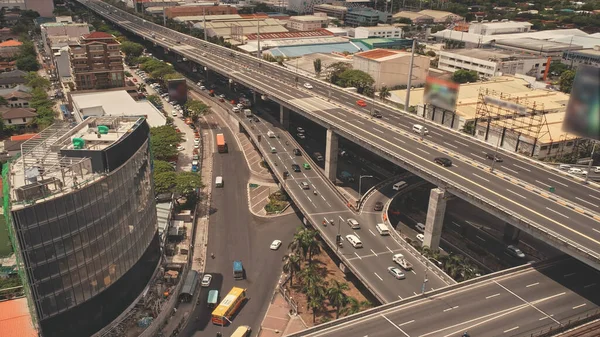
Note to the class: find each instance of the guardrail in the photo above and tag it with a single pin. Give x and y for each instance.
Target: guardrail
(466, 194)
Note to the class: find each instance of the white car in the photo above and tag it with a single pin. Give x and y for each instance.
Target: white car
(397, 273)
(199, 84)
(300, 130)
(196, 145)
(206, 280)
(304, 185)
(308, 85)
(577, 171)
(514, 251)
(180, 148)
(275, 245)
(420, 237)
(196, 141)
(301, 135)
(202, 87)
(597, 169)
(174, 113)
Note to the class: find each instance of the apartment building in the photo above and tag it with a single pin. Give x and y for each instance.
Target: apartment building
(307, 23)
(96, 62)
(382, 31)
(493, 62)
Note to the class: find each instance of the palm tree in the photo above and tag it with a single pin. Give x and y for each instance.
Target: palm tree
(353, 306)
(384, 93)
(297, 244)
(291, 265)
(337, 297)
(318, 67)
(316, 305)
(312, 244)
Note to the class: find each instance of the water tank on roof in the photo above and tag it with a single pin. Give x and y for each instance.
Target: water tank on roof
(78, 143)
(102, 129)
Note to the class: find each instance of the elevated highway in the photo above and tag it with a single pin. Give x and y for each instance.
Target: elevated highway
(516, 191)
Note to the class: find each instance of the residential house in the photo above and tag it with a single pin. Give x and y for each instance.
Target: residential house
(9, 48)
(17, 116)
(12, 78)
(17, 97)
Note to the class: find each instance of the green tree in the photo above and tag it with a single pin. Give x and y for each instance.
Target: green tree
(131, 50)
(465, 76)
(558, 68)
(28, 63)
(318, 67)
(354, 306)
(336, 69)
(291, 265)
(565, 82)
(316, 305)
(164, 140)
(384, 93)
(160, 73)
(161, 166)
(34, 80)
(196, 109)
(3, 101)
(187, 183)
(312, 283)
(27, 48)
(164, 182)
(172, 76)
(154, 99)
(337, 297)
(355, 78)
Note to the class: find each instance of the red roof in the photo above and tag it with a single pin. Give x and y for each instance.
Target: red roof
(25, 136)
(10, 43)
(98, 35)
(379, 53)
(16, 320)
(291, 35)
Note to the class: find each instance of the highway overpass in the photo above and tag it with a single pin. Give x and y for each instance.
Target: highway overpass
(516, 191)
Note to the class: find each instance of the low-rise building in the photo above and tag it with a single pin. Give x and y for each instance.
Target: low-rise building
(96, 62)
(492, 62)
(338, 12)
(366, 17)
(17, 97)
(11, 79)
(390, 67)
(7, 34)
(441, 16)
(307, 23)
(62, 62)
(585, 56)
(56, 35)
(495, 28)
(380, 31)
(113, 103)
(235, 30)
(17, 116)
(173, 12)
(415, 17)
(10, 48)
(44, 7)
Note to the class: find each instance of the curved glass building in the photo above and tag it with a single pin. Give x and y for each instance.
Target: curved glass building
(84, 222)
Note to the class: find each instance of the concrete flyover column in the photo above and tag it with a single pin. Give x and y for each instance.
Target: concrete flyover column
(284, 117)
(435, 218)
(331, 155)
(511, 233)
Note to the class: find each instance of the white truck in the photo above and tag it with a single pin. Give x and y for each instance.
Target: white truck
(248, 113)
(399, 259)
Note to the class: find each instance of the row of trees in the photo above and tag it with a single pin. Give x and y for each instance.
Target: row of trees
(299, 264)
(157, 69)
(26, 59)
(456, 266)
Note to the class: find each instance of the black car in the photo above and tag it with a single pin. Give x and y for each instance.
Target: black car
(378, 206)
(297, 152)
(256, 119)
(493, 157)
(296, 168)
(443, 161)
(376, 114)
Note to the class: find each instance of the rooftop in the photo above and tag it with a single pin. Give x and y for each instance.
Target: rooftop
(490, 54)
(323, 45)
(552, 35)
(537, 45)
(11, 43)
(332, 7)
(98, 35)
(308, 18)
(11, 113)
(409, 15)
(506, 24)
(290, 35)
(382, 54)
(590, 52)
(435, 14)
(117, 103)
(378, 28)
(16, 320)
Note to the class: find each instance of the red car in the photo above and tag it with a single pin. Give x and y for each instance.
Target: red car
(135, 79)
(362, 103)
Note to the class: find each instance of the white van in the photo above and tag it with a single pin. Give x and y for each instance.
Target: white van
(219, 181)
(399, 185)
(420, 129)
(420, 227)
(353, 223)
(271, 134)
(382, 229)
(354, 241)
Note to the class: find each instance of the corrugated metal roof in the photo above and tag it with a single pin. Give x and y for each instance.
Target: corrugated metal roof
(15, 319)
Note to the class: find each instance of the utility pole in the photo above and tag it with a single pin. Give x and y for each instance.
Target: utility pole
(164, 16)
(204, 23)
(410, 69)
(258, 38)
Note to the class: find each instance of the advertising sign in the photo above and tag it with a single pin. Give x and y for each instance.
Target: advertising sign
(177, 90)
(441, 93)
(583, 110)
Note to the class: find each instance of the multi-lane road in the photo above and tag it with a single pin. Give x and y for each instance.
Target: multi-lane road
(567, 218)
(517, 304)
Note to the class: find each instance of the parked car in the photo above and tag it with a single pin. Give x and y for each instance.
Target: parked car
(206, 280)
(421, 237)
(275, 245)
(577, 171)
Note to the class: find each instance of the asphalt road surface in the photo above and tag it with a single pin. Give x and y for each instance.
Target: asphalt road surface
(513, 305)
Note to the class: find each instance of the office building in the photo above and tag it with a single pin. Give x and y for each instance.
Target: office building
(306, 23)
(83, 216)
(390, 67)
(495, 28)
(338, 12)
(493, 62)
(96, 62)
(366, 17)
(380, 31)
(585, 56)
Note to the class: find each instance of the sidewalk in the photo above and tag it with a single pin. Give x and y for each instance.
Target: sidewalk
(278, 321)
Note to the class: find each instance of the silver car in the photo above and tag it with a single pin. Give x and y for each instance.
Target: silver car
(397, 273)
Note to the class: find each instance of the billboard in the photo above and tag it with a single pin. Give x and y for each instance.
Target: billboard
(177, 90)
(441, 93)
(583, 110)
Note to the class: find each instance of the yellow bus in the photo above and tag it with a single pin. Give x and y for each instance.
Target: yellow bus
(228, 306)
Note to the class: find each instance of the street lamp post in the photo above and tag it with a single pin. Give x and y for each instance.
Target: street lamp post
(495, 154)
(425, 280)
(360, 185)
(340, 220)
(589, 169)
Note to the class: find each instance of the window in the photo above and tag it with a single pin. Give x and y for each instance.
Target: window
(24, 120)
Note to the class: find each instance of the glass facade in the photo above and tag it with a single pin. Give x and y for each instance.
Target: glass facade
(83, 249)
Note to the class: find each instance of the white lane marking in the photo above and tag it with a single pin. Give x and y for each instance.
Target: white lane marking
(435, 133)
(380, 131)
(558, 182)
(539, 182)
(445, 310)
(529, 303)
(595, 230)
(359, 122)
(448, 144)
(374, 252)
(405, 323)
(400, 140)
(550, 209)
(388, 248)
(594, 197)
(400, 297)
(422, 150)
(355, 253)
(480, 238)
(545, 317)
(513, 171)
(473, 154)
(579, 306)
(457, 225)
(480, 177)
(511, 329)
(522, 168)
(356, 235)
(454, 165)
(532, 285)
(492, 296)
(587, 202)
(568, 275)
(372, 232)
(414, 272)
(395, 326)
(515, 193)
(379, 277)
(461, 143)
(590, 285)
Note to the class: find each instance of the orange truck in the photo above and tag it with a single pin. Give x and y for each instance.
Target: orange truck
(221, 143)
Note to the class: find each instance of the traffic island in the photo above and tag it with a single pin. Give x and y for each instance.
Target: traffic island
(266, 200)
(278, 202)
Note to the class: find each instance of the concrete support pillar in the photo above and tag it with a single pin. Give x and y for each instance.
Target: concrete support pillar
(435, 218)
(511, 233)
(284, 117)
(331, 155)
(254, 96)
